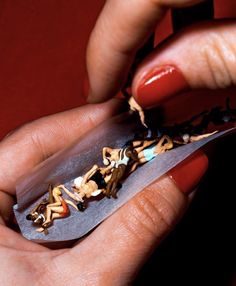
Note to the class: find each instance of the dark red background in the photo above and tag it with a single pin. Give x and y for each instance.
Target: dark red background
(42, 67)
(42, 55)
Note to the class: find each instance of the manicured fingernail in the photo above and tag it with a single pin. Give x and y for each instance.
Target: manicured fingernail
(160, 84)
(189, 173)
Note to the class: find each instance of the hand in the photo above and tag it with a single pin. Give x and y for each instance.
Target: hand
(202, 56)
(114, 251)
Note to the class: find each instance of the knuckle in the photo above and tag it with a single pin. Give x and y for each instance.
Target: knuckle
(220, 59)
(34, 134)
(36, 141)
(31, 135)
(91, 119)
(150, 214)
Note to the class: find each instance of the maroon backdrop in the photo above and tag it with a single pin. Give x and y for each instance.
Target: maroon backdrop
(42, 55)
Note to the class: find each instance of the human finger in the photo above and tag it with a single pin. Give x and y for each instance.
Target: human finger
(202, 56)
(36, 141)
(121, 244)
(6, 203)
(122, 28)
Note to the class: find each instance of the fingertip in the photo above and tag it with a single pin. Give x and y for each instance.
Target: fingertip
(92, 98)
(86, 88)
(188, 174)
(88, 94)
(159, 84)
(116, 105)
(195, 58)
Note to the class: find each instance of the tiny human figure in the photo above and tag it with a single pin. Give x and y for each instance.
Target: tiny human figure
(140, 145)
(114, 157)
(186, 138)
(118, 160)
(57, 209)
(92, 184)
(38, 214)
(148, 150)
(134, 106)
(195, 138)
(75, 196)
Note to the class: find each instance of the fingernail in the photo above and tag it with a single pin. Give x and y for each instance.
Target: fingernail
(189, 173)
(159, 85)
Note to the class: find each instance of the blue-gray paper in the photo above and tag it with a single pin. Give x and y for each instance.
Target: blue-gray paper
(75, 161)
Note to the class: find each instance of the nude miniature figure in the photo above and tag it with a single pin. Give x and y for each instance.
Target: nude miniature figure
(134, 106)
(102, 179)
(186, 138)
(38, 214)
(148, 150)
(93, 183)
(118, 160)
(57, 209)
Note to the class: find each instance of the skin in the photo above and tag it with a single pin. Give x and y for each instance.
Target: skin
(88, 187)
(148, 217)
(142, 223)
(113, 156)
(116, 177)
(110, 55)
(136, 107)
(55, 210)
(41, 207)
(74, 196)
(164, 144)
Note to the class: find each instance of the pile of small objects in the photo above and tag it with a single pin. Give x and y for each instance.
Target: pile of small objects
(119, 163)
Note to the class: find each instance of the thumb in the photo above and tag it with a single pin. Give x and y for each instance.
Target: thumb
(121, 29)
(203, 56)
(123, 242)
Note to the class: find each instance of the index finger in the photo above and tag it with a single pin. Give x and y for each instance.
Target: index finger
(40, 139)
(122, 28)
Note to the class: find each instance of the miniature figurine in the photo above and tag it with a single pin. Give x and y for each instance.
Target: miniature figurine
(93, 183)
(134, 106)
(148, 150)
(194, 138)
(120, 162)
(38, 214)
(118, 159)
(57, 209)
(49, 209)
(186, 138)
(75, 196)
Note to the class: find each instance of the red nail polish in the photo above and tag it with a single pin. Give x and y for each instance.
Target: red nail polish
(160, 84)
(187, 175)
